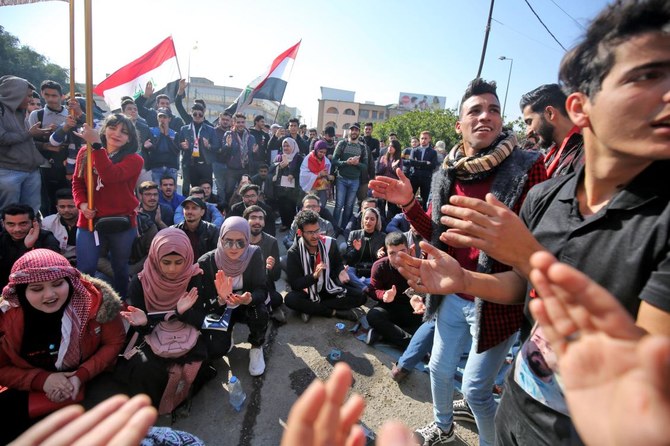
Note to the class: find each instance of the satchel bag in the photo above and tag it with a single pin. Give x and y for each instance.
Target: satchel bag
(112, 225)
(172, 339)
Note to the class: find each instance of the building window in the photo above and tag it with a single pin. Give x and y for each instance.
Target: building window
(332, 110)
(374, 114)
(381, 115)
(364, 114)
(346, 126)
(331, 124)
(349, 112)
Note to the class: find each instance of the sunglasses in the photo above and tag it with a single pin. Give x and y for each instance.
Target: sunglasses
(239, 244)
(198, 115)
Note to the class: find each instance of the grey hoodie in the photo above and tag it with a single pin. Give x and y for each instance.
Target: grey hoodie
(17, 149)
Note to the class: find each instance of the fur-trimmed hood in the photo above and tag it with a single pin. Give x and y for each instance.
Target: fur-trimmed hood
(110, 304)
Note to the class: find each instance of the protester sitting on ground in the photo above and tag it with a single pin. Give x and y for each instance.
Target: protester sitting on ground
(317, 276)
(60, 330)
(160, 301)
(211, 197)
(255, 215)
(63, 224)
(234, 289)
(264, 181)
(396, 316)
(313, 203)
(355, 221)
(161, 214)
(251, 197)
(168, 195)
(364, 247)
(212, 214)
(116, 166)
(285, 177)
(236, 196)
(21, 234)
(203, 235)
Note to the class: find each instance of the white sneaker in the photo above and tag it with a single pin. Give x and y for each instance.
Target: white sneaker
(256, 361)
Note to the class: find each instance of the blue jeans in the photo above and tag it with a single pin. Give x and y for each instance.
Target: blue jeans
(20, 187)
(119, 245)
(346, 197)
(354, 280)
(219, 170)
(455, 326)
(158, 172)
(420, 345)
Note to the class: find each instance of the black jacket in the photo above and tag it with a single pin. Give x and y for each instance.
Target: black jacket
(208, 236)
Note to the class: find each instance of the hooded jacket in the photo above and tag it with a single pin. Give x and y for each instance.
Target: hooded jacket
(17, 149)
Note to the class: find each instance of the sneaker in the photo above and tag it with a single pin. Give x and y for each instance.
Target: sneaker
(256, 361)
(305, 317)
(279, 315)
(432, 435)
(372, 337)
(462, 411)
(352, 315)
(399, 373)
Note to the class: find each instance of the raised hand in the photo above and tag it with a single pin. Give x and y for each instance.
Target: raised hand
(417, 304)
(89, 134)
(33, 235)
(394, 191)
(318, 269)
(135, 316)
(224, 286)
(148, 90)
(389, 295)
(616, 382)
(439, 273)
(187, 300)
(357, 244)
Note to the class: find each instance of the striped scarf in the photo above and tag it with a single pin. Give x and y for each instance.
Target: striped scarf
(482, 164)
(324, 278)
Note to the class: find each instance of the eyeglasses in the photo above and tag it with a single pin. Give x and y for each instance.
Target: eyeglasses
(249, 196)
(311, 233)
(239, 244)
(198, 115)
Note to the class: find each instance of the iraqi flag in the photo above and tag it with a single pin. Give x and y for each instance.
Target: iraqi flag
(21, 2)
(271, 85)
(159, 66)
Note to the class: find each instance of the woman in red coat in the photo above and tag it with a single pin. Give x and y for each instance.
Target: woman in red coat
(58, 330)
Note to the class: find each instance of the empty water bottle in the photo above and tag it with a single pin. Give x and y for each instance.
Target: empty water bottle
(236, 393)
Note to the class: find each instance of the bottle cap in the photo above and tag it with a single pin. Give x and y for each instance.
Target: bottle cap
(233, 379)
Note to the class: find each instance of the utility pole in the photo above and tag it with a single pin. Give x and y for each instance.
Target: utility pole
(486, 40)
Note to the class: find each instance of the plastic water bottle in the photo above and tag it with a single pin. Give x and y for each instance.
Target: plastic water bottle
(236, 393)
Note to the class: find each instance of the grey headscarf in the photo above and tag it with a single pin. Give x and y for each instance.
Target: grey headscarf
(231, 267)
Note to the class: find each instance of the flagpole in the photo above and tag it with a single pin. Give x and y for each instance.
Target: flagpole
(88, 35)
(71, 53)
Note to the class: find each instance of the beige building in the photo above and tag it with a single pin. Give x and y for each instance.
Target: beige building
(337, 108)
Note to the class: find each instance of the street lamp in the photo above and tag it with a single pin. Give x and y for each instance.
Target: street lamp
(509, 76)
(188, 74)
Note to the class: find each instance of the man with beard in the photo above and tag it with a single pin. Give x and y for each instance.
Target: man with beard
(250, 194)
(159, 213)
(260, 154)
(350, 159)
(370, 141)
(63, 224)
(219, 166)
(202, 235)
(238, 149)
(547, 120)
(255, 215)
(21, 234)
(168, 196)
(318, 278)
(198, 143)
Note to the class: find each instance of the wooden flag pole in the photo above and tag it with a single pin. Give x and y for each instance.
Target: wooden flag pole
(71, 53)
(88, 37)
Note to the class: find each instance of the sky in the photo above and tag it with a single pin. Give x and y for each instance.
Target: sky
(376, 48)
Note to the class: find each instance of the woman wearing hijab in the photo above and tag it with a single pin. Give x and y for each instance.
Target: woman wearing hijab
(364, 247)
(59, 331)
(315, 177)
(162, 297)
(286, 181)
(234, 290)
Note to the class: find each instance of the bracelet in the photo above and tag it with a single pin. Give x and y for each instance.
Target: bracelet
(403, 206)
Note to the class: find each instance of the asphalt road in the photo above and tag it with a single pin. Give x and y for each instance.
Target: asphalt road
(295, 354)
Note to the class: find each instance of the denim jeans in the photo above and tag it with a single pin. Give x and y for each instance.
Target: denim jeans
(455, 326)
(219, 170)
(20, 187)
(420, 345)
(346, 197)
(158, 172)
(354, 280)
(119, 244)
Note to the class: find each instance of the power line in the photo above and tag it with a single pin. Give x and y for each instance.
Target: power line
(510, 28)
(545, 26)
(564, 12)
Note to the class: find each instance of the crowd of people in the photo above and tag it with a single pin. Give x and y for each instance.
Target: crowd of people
(553, 249)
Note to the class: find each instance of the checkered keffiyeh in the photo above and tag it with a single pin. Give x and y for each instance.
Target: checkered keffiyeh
(44, 265)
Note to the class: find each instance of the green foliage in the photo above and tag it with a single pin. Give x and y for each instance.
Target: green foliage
(440, 123)
(20, 60)
(282, 117)
(519, 127)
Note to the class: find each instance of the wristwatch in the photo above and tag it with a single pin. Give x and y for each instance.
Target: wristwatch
(96, 146)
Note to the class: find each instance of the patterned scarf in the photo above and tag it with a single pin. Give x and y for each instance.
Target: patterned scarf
(481, 165)
(44, 265)
(243, 144)
(324, 277)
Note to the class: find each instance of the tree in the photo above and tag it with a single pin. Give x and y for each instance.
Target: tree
(440, 123)
(22, 61)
